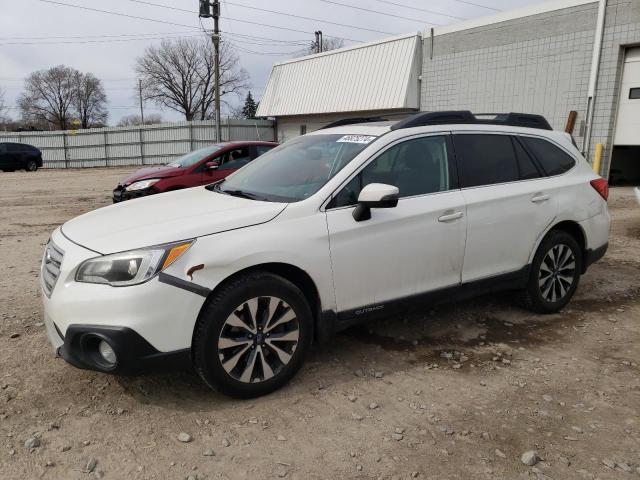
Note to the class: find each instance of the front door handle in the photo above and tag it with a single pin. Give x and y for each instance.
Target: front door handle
(540, 197)
(450, 217)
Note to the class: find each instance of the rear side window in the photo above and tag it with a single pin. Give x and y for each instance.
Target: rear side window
(3, 147)
(485, 159)
(526, 167)
(553, 159)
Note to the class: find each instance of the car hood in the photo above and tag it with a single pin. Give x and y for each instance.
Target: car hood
(164, 218)
(161, 171)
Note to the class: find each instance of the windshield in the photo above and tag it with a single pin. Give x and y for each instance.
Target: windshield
(297, 169)
(194, 157)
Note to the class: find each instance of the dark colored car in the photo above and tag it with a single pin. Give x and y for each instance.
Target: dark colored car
(200, 167)
(19, 156)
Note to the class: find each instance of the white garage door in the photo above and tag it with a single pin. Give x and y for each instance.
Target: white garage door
(628, 123)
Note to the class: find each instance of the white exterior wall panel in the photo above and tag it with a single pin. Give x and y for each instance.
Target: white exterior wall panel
(375, 76)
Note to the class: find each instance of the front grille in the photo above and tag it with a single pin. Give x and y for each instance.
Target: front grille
(51, 263)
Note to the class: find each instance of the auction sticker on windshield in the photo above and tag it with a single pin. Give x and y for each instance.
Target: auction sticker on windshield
(356, 139)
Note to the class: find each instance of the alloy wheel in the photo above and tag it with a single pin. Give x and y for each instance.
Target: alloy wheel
(557, 273)
(258, 339)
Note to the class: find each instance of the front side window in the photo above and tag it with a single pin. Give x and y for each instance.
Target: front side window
(236, 158)
(194, 157)
(262, 149)
(417, 167)
(553, 159)
(296, 169)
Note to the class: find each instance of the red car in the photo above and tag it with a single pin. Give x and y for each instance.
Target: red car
(200, 167)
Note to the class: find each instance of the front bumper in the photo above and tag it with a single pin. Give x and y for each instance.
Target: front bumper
(120, 194)
(133, 353)
(149, 326)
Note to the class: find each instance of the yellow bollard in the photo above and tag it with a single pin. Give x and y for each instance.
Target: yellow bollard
(597, 159)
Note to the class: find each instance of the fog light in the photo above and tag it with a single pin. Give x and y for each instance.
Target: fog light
(107, 353)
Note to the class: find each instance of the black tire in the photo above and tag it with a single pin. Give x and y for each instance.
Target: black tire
(231, 302)
(31, 166)
(550, 292)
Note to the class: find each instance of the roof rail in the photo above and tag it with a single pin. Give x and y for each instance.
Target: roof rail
(466, 117)
(351, 121)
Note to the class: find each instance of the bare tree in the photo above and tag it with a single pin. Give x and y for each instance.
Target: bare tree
(48, 97)
(89, 100)
(3, 107)
(61, 94)
(328, 43)
(135, 120)
(179, 75)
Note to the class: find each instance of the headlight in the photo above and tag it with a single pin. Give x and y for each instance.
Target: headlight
(130, 268)
(142, 184)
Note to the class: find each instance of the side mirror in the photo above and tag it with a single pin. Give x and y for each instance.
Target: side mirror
(375, 195)
(212, 165)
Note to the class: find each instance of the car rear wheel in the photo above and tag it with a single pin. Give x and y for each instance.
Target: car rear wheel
(252, 335)
(31, 166)
(555, 273)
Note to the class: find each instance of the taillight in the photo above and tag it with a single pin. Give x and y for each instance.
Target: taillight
(601, 186)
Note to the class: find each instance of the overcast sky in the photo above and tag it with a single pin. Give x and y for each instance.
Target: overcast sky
(108, 45)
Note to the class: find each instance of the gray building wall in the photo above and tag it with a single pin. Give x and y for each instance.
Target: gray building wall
(289, 127)
(537, 64)
(622, 29)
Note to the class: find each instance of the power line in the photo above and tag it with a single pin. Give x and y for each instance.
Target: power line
(313, 19)
(264, 10)
(246, 50)
(419, 9)
(116, 13)
(274, 40)
(103, 79)
(76, 42)
(187, 26)
(478, 5)
(99, 36)
(386, 14)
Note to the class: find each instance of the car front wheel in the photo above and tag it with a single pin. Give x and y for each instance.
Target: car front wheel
(31, 166)
(555, 273)
(252, 335)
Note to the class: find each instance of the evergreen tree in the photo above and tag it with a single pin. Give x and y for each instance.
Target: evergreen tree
(250, 107)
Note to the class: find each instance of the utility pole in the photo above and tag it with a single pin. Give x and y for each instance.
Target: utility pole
(211, 9)
(141, 105)
(319, 46)
(208, 9)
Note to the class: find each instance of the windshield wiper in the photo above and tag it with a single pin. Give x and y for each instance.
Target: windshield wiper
(241, 194)
(234, 193)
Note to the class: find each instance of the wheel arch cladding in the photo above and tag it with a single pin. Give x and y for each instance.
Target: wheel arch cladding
(575, 230)
(293, 274)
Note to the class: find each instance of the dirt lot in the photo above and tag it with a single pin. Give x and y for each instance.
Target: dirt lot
(456, 392)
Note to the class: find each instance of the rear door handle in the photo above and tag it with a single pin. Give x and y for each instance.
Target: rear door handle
(540, 197)
(450, 217)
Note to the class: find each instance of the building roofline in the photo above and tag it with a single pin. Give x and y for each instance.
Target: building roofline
(351, 47)
(528, 11)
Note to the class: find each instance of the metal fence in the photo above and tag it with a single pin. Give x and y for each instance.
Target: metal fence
(146, 145)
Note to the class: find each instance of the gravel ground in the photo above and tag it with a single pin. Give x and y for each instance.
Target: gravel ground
(454, 392)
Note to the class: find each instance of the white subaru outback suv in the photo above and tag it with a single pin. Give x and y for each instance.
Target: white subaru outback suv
(336, 227)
